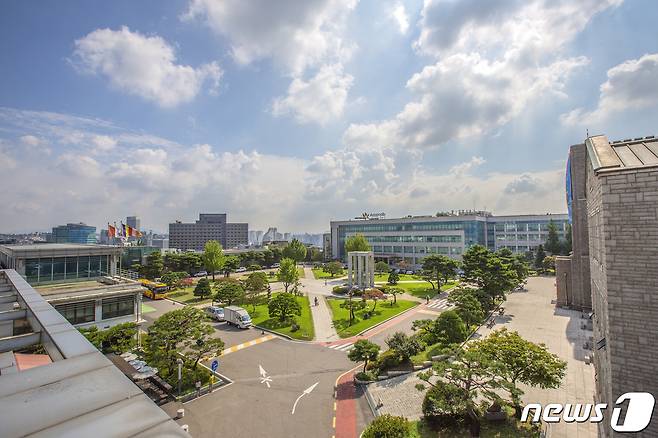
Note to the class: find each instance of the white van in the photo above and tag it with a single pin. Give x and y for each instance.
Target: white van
(237, 316)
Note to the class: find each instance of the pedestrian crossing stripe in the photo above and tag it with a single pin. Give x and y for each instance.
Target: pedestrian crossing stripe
(439, 304)
(342, 347)
(239, 347)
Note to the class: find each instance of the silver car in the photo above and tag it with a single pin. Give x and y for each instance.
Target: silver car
(216, 313)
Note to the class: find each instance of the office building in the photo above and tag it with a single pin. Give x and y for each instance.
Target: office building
(53, 382)
(412, 238)
(326, 247)
(193, 236)
(50, 262)
(134, 222)
(614, 204)
(271, 235)
(74, 233)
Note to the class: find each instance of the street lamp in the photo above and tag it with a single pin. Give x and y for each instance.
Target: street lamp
(179, 361)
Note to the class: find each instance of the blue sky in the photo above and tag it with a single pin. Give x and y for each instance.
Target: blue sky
(292, 113)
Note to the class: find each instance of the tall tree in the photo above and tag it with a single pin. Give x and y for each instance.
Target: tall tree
(213, 257)
(553, 244)
(539, 257)
(524, 362)
(284, 306)
(255, 285)
(206, 346)
(393, 278)
(334, 268)
(287, 273)
(358, 242)
(154, 266)
(295, 250)
(363, 351)
(467, 306)
(488, 271)
(439, 269)
(203, 288)
(173, 279)
(229, 292)
(231, 263)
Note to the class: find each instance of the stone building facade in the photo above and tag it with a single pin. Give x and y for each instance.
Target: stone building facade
(621, 191)
(193, 236)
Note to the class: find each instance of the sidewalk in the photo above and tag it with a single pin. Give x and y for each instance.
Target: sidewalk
(324, 327)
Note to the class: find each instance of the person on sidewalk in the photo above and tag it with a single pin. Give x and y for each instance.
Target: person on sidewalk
(316, 301)
(427, 299)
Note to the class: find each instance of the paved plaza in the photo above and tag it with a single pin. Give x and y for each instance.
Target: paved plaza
(533, 314)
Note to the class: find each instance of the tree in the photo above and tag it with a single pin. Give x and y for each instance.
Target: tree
(334, 268)
(206, 346)
(231, 263)
(229, 292)
(203, 288)
(515, 262)
(553, 244)
(522, 361)
(284, 306)
(295, 250)
(213, 257)
(358, 242)
(439, 268)
(173, 279)
(445, 401)
(255, 284)
(394, 291)
(381, 267)
(449, 328)
(363, 351)
(117, 339)
(287, 273)
(403, 346)
(374, 295)
(387, 426)
(177, 329)
(154, 266)
(548, 263)
(489, 272)
(539, 257)
(466, 377)
(467, 306)
(353, 306)
(393, 278)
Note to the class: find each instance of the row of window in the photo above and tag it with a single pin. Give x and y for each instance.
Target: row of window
(526, 226)
(60, 268)
(417, 249)
(85, 311)
(443, 239)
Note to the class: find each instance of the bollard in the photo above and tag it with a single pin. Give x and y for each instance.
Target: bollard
(180, 413)
(185, 427)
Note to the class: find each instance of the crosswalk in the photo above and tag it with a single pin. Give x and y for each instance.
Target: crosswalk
(346, 347)
(439, 304)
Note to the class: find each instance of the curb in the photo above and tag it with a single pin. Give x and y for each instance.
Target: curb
(386, 320)
(276, 333)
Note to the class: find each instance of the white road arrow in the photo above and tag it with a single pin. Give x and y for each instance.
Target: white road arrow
(306, 391)
(264, 378)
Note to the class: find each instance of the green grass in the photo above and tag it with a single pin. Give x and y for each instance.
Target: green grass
(301, 272)
(421, 290)
(427, 353)
(186, 296)
(383, 311)
(273, 279)
(147, 309)
(319, 274)
(512, 428)
(306, 332)
(403, 277)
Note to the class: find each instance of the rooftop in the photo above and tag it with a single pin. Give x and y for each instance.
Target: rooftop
(88, 289)
(622, 154)
(80, 393)
(77, 248)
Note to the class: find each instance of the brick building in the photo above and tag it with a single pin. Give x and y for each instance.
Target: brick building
(193, 236)
(620, 199)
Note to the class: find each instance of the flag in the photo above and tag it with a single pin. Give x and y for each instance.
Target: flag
(123, 229)
(138, 233)
(111, 231)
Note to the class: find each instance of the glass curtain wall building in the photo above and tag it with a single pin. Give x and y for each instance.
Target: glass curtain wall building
(410, 239)
(74, 233)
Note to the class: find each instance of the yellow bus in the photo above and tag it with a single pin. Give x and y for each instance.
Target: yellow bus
(154, 290)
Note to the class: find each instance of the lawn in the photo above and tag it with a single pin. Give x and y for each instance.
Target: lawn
(403, 277)
(186, 296)
(421, 290)
(509, 429)
(383, 311)
(427, 353)
(306, 332)
(319, 274)
(147, 309)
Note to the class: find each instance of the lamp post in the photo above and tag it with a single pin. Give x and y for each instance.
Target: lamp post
(179, 361)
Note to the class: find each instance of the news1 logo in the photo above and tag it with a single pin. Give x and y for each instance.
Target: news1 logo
(638, 412)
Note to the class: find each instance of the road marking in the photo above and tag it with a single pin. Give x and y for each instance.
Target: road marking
(334, 422)
(342, 347)
(239, 347)
(429, 312)
(306, 392)
(264, 378)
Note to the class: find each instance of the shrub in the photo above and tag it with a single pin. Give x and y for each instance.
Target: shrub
(387, 360)
(340, 289)
(365, 376)
(444, 404)
(387, 426)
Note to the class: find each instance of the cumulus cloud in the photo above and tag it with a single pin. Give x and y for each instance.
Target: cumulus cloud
(103, 143)
(525, 183)
(398, 14)
(320, 99)
(631, 85)
(141, 65)
(295, 35)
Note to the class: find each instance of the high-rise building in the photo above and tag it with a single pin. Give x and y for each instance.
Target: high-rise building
(412, 238)
(613, 197)
(270, 235)
(74, 233)
(134, 222)
(186, 236)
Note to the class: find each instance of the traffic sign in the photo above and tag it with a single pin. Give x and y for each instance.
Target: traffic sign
(214, 365)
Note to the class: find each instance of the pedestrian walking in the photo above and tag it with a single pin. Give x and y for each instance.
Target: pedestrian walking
(427, 299)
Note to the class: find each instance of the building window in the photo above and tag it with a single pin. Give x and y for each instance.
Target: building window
(78, 313)
(120, 306)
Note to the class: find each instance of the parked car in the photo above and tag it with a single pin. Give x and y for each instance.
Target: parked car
(276, 265)
(216, 313)
(201, 274)
(409, 272)
(237, 316)
(241, 269)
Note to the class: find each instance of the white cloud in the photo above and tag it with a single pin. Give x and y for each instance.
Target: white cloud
(465, 168)
(320, 99)
(399, 16)
(35, 145)
(631, 85)
(295, 35)
(141, 65)
(103, 143)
